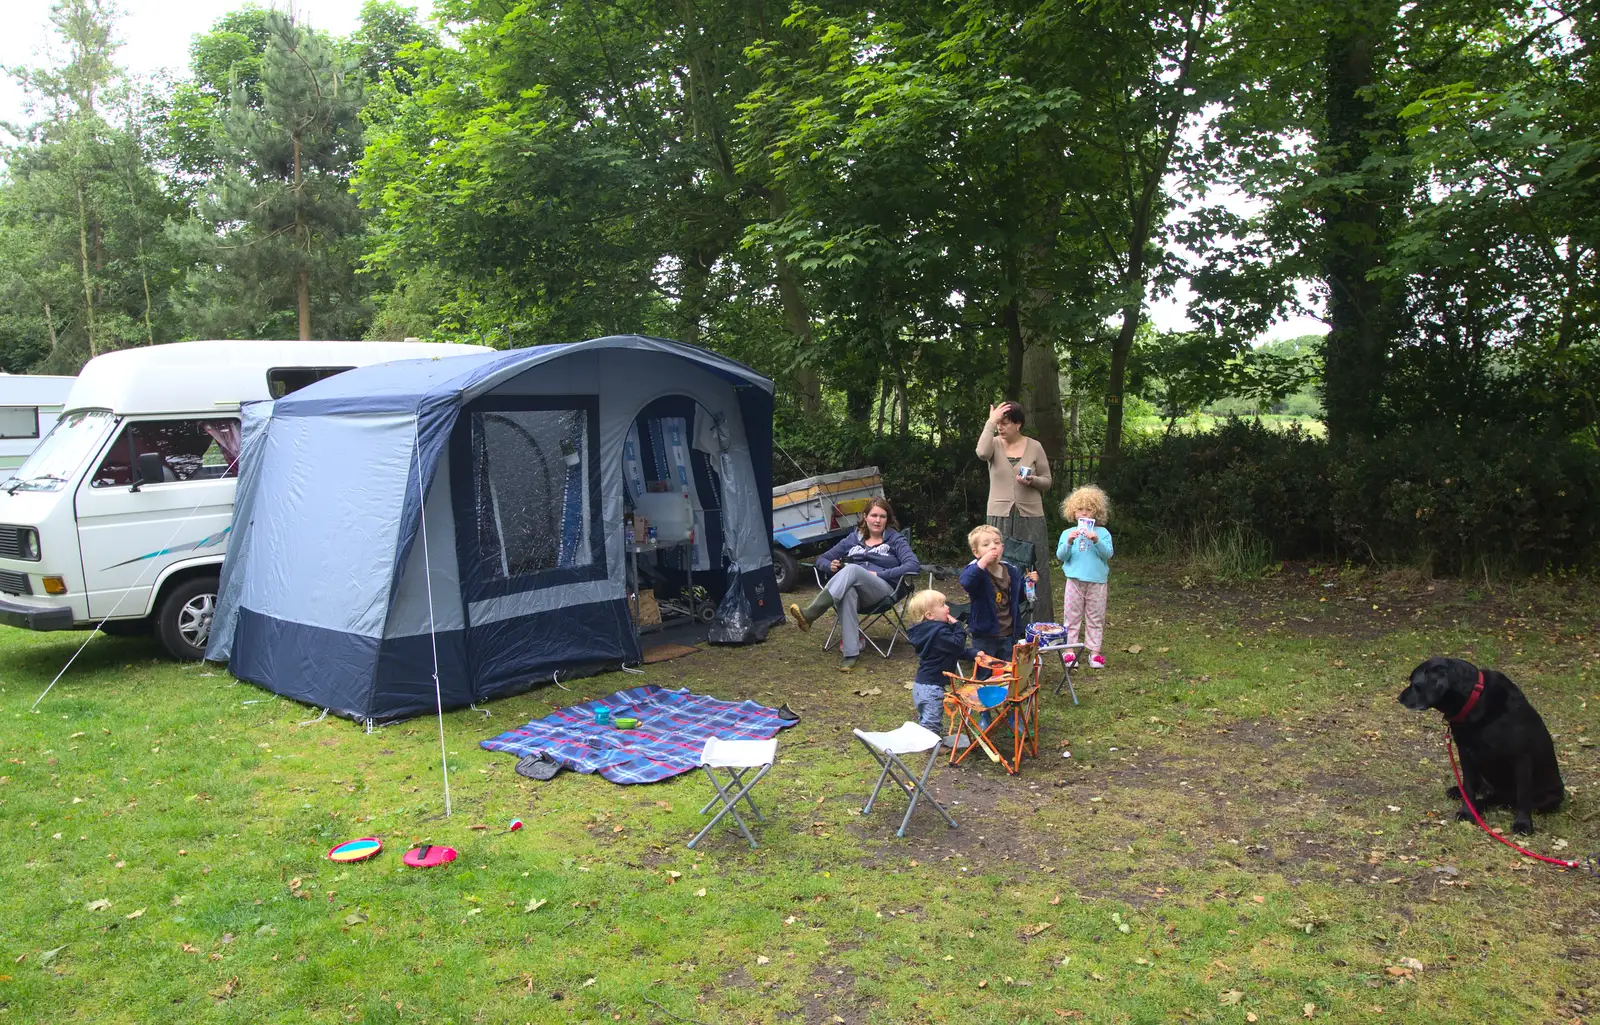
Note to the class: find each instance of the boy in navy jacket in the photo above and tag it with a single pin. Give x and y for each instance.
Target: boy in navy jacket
(994, 587)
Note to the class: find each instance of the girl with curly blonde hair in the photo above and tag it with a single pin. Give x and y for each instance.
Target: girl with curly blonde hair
(1085, 553)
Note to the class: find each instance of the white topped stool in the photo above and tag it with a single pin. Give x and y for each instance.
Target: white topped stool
(886, 748)
(737, 757)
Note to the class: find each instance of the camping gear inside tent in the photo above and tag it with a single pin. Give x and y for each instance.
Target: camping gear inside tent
(470, 513)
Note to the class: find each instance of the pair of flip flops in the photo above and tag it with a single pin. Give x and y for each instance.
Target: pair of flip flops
(429, 856)
(368, 846)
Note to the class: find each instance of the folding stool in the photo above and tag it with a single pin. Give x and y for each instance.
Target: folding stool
(738, 757)
(887, 748)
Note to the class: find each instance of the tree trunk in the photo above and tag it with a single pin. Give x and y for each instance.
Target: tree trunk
(50, 323)
(1354, 236)
(1014, 349)
(83, 267)
(903, 425)
(1121, 349)
(1041, 394)
(303, 295)
(144, 276)
(303, 279)
(858, 399)
(796, 315)
(693, 282)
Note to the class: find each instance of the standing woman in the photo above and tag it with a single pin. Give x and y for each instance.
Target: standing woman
(1019, 475)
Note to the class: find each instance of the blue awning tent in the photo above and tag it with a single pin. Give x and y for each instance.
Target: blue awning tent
(470, 510)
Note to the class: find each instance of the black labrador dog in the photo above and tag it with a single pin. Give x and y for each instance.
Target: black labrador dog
(1507, 756)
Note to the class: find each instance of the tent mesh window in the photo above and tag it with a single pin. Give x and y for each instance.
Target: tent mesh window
(531, 477)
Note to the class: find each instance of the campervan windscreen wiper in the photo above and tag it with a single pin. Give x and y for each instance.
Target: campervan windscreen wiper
(52, 478)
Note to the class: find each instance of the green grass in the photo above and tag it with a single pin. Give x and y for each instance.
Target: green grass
(1223, 832)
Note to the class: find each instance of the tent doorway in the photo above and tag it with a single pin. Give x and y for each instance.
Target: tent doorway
(673, 498)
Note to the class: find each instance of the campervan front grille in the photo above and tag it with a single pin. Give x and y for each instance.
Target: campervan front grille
(14, 583)
(10, 543)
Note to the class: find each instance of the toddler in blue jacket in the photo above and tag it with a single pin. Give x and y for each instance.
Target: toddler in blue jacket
(940, 640)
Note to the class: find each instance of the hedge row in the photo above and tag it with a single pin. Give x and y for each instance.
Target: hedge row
(1455, 501)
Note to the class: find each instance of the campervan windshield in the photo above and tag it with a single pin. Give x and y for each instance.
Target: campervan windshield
(63, 451)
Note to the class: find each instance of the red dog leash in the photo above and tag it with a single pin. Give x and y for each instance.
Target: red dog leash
(1450, 749)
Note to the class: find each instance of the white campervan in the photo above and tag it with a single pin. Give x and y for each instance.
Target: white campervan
(29, 405)
(122, 513)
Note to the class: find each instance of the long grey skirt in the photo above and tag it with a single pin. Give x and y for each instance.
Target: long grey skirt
(1034, 529)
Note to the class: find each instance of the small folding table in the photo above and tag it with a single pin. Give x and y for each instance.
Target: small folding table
(887, 748)
(738, 757)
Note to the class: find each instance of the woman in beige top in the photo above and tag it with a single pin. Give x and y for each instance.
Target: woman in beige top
(1019, 475)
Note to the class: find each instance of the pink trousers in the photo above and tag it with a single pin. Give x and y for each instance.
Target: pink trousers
(1085, 614)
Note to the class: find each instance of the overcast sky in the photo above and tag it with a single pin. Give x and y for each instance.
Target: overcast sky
(155, 37)
(155, 34)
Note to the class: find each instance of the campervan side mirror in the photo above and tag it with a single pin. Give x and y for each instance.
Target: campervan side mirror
(150, 470)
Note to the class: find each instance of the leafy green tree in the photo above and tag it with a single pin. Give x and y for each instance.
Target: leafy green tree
(81, 207)
(567, 169)
(221, 61)
(281, 216)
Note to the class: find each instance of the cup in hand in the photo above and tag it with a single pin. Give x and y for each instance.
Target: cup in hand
(1085, 528)
(1024, 472)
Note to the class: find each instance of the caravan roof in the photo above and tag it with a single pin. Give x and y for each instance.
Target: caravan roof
(189, 376)
(33, 389)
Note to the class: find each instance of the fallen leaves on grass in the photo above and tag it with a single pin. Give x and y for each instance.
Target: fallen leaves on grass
(534, 904)
(354, 918)
(98, 905)
(1230, 997)
(1028, 932)
(700, 892)
(763, 959)
(227, 989)
(869, 692)
(134, 914)
(1309, 1010)
(1134, 649)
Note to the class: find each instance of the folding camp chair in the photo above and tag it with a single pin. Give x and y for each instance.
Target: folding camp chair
(738, 757)
(886, 748)
(1020, 553)
(1000, 713)
(888, 610)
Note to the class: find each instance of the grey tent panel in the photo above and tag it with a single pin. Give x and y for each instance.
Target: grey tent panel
(492, 484)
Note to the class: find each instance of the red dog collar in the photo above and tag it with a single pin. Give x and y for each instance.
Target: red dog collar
(1472, 699)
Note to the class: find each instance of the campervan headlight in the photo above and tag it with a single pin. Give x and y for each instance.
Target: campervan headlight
(28, 544)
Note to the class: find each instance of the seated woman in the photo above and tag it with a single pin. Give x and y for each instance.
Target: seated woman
(866, 567)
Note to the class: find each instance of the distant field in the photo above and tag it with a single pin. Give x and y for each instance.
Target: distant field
(1201, 422)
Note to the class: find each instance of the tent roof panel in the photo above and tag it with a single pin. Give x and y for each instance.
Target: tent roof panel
(411, 385)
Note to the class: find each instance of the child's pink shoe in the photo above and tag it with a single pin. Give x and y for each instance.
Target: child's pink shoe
(1069, 659)
(1097, 662)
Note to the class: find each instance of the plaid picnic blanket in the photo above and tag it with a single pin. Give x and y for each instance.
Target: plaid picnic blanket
(672, 731)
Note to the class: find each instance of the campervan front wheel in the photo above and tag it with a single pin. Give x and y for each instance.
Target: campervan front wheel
(183, 622)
